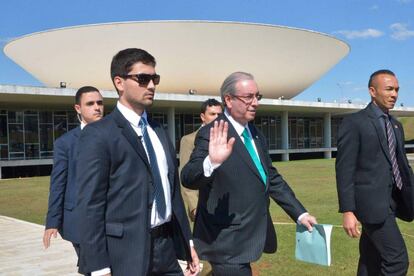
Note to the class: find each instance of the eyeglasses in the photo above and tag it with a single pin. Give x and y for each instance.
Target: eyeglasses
(144, 79)
(248, 99)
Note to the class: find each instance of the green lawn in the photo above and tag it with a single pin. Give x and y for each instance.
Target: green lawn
(313, 182)
(408, 123)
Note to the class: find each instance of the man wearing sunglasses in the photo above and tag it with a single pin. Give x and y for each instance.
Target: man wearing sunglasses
(132, 215)
(235, 179)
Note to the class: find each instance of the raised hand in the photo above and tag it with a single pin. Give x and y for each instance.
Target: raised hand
(219, 149)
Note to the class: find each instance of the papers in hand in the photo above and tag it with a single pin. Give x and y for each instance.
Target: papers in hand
(314, 247)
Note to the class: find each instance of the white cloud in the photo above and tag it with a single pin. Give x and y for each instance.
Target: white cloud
(404, 1)
(367, 33)
(401, 32)
(374, 8)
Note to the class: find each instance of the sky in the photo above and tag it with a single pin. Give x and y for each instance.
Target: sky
(380, 33)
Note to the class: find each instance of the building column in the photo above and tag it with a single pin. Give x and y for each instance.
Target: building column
(0, 172)
(327, 135)
(285, 135)
(171, 124)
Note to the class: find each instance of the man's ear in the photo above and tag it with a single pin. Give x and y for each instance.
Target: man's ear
(227, 100)
(77, 108)
(202, 116)
(372, 92)
(119, 83)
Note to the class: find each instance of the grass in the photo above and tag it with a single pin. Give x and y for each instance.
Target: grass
(408, 123)
(313, 182)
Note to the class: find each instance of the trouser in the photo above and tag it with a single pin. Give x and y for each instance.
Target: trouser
(231, 269)
(163, 260)
(382, 249)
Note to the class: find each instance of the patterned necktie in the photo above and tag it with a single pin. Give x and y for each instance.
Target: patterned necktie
(158, 189)
(250, 148)
(391, 146)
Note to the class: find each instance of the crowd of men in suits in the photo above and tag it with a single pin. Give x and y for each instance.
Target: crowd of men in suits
(115, 191)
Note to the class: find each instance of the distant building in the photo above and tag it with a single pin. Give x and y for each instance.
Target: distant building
(193, 59)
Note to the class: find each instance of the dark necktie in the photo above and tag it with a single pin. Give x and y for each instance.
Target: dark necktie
(158, 189)
(250, 148)
(391, 146)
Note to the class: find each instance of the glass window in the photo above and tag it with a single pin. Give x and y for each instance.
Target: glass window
(45, 117)
(32, 151)
(4, 152)
(60, 126)
(46, 154)
(17, 156)
(16, 117)
(31, 129)
(3, 129)
(46, 137)
(72, 118)
(16, 137)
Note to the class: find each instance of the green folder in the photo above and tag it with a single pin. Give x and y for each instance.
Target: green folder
(314, 247)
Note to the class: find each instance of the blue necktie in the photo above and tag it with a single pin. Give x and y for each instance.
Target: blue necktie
(391, 147)
(249, 146)
(158, 189)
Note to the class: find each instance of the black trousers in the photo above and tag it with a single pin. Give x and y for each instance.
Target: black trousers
(231, 269)
(163, 260)
(382, 249)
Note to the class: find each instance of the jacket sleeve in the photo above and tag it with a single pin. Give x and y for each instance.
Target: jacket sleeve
(346, 164)
(190, 196)
(93, 168)
(192, 175)
(58, 180)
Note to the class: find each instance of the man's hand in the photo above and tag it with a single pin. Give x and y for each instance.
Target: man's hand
(350, 224)
(219, 149)
(47, 235)
(308, 221)
(193, 268)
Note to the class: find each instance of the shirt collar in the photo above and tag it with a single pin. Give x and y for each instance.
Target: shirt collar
(378, 111)
(82, 125)
(130, 115)
(237, 126)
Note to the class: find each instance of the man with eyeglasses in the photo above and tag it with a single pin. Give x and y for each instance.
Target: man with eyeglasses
(132, 216)
(235, 179)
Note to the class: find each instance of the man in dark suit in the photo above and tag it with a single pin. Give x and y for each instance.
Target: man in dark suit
(235, 178)
(131, 212)
(374, 180)
(61, 215)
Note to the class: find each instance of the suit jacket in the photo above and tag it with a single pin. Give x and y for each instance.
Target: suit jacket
(63, 192)
(186, 148)
(115, 198)
(364, 176)
(233, 224)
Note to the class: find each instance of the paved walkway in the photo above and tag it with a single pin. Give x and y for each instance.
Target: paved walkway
(22, 252)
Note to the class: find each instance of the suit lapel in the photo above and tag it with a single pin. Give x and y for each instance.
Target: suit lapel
(131, 136)
(397, 132)
(240, 149)
(260, 149)
(380, 133)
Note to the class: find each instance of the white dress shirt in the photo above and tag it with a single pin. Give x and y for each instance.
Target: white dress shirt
(133, 118)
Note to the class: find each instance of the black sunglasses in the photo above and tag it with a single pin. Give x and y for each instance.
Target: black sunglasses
(144, 79)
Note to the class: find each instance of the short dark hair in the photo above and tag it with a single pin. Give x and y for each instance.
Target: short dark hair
(83, 90)
(379, 72)
(123, 61)
(209, 102)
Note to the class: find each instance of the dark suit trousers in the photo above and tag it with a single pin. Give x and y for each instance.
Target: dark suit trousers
(382, 249)
(163, 260)
(231, 269)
